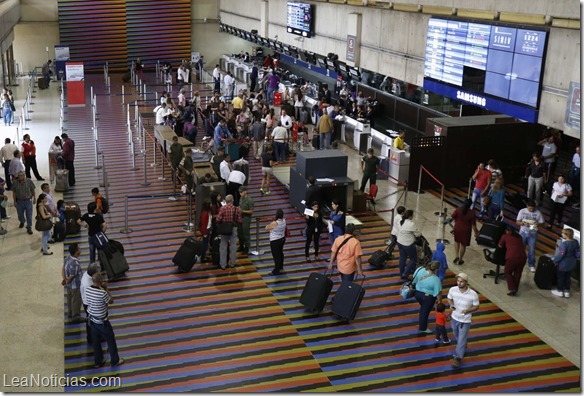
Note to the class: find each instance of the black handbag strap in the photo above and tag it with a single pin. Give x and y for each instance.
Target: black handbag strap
(343, 243)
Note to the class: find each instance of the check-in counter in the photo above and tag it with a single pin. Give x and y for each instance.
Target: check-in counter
(162, 134)
(362, 137)
(399, 164)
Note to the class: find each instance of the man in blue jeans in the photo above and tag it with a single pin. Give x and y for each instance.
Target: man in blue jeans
(23, 192)
(94, 223)
(529, 219)
(463, 302)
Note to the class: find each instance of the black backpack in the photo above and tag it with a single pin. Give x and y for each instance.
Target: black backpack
(104, 205)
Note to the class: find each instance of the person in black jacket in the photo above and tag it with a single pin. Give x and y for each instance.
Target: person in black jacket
(314, 226)
(313, 192)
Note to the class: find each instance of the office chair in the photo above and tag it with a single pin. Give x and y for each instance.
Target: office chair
(497, 257)
(373, 189)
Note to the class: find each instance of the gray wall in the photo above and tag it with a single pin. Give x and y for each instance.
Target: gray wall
(393, 41)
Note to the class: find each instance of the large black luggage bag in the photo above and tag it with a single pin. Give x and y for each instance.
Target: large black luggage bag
(113, 262)
(215, 254)
(316, 141)
(72, 214)
(348, 299)
(490, 233)
(187, 254)
(316, 291)
(545, 273)
(379, 258)
(59, 231)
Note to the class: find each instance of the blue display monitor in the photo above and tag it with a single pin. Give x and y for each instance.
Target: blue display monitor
(300, 19)
(497, 61)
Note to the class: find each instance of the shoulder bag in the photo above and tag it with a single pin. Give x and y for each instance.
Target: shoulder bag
(42, 224)
(408, 289)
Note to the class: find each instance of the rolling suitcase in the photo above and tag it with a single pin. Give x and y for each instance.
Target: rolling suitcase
(127, 77)
(72, 214)
(59, 231)
(490, 233)
(348, 299)
(383, 166)
(62, 180)
(215, 255)
(379, 258)
(117, 246)
(187, 254)
(316, 141)
(423, 250)
(113, 262)
(41, 83)
(316, 291)
(545, 273)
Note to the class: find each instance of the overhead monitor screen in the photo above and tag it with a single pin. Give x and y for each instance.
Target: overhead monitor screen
(498, 67)
(299, 19)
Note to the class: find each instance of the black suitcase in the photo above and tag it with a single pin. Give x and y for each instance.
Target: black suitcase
(348, 299)
(545, 273)
(126, 77)
(316, 141)
(59, 231)
(116, 245)
(113, 262)
(490, 233)
(383, 166)
(41, 83)
(379, 258)
(187, 254)
(72, 214)
(423, 250)
(316, 291)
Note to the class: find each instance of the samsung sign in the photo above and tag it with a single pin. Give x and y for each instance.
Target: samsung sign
(494, 104)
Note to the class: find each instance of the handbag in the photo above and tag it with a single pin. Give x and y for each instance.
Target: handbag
(408, 290)
(43, 224)
(12, 107)
(287, 232)
(225, 228)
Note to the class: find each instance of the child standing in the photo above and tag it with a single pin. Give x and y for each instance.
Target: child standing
(441, 332)
(439, 256)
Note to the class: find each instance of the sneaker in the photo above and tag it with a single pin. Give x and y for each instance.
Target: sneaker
(557, 293)
(119, 363)
(100, 364)
(308, 260)
(567, 294)
(427, 331)
(3, 231)
(267, 193)
(456, 363)
(21, 225)
(29, 231)
(437, 340)
(532, 269)
(446, 342)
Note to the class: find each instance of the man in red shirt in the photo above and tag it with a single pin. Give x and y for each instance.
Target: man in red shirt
(482, 178)
(230, 215)
(29, 156)
(68, 156)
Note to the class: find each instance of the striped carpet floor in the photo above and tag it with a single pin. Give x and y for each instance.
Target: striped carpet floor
(244, 331)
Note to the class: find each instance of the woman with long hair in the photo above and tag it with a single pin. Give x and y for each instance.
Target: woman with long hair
(497, 200)
(515, 259)
(44, 214)
(314, 227)
(216, 200)
(205, 226)
(406, 243)
(559, 194)
(277, 230)
(337, 219)
(268, 161)
(464, 223)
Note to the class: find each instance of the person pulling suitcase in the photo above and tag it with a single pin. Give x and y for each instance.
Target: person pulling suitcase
(346, 252)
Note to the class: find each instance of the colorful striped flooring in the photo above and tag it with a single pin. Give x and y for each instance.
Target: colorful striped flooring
(243, 330)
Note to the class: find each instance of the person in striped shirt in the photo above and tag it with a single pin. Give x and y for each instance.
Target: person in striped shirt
(98, 298)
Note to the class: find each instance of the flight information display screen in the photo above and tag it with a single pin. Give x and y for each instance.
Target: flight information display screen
(300, 18)
(503, 62)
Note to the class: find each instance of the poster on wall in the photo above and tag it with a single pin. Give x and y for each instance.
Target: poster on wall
(75, 77)
(572, 116)
(351, 43)
(62, 55)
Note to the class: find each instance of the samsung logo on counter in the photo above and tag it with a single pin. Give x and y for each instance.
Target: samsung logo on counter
(471, 98)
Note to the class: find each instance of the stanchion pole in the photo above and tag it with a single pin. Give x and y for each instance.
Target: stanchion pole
(443, 240)
(173, 198)
(420, 180)
(97, 165)
(406, 194)
(154, 164)
(162, 178)
(134, 167)
(109, 86)
(136, 112)
(123, 94)
(441, 213)
(145, 183)
(104, 182)
(257, 252)
(189, 224)
(126, 229)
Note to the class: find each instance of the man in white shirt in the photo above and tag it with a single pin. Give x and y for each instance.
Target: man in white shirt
(229, 83)
(463, 302)
(180, 76)
(285, 119)
(280, 136)
(182, 99)
(529, 219)
(217, 79)
(548, 155)
(236, 180)
(6, 155)
(161, 113)
(225, 168)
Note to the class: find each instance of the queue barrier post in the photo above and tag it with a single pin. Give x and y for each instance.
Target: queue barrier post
(443, 240)
(145, 183)
(126, 229)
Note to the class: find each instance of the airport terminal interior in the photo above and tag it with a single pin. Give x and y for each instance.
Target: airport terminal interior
(243, 329)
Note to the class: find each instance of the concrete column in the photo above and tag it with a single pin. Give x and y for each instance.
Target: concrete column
(264, 19)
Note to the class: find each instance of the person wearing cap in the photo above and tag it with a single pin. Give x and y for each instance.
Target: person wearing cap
(529, 219)
(428, 291)
(463, 302)
(246, 207)
(346, 251)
